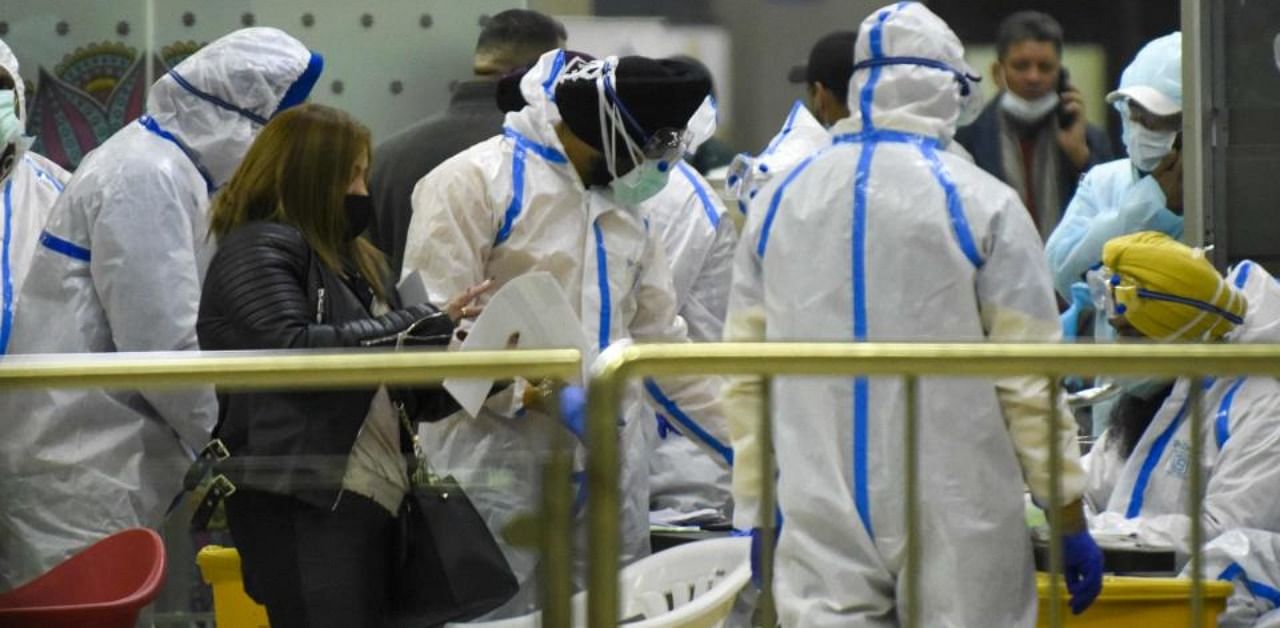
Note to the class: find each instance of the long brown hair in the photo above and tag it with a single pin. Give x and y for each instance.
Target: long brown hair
(297, 172)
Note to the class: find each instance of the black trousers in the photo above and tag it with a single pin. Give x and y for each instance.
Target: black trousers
(314, 567)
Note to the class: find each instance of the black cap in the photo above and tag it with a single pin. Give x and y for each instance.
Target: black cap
(830, 62)
(658, 93)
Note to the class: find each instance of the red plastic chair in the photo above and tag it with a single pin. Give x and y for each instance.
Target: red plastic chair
(104, 586)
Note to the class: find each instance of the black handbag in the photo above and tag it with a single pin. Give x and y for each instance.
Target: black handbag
(451, 568)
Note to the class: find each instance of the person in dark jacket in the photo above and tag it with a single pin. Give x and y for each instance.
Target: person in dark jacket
(1034, 136)
(320, 476)
(511, 39)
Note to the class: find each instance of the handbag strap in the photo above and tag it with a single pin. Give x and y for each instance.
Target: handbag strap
(420, 473)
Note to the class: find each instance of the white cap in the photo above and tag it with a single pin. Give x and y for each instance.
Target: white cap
(1149, 97)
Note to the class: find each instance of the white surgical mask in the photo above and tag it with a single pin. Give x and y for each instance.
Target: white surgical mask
(1028, 111)
(1147, 147)
(642, 183)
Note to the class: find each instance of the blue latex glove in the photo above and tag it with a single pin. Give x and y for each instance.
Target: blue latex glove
(1082, 569)
(573, 410)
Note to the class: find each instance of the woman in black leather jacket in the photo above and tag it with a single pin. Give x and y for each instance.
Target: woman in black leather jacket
(320, 475)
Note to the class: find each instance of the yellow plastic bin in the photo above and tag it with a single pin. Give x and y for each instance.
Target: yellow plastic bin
(232, 607)
(1129, 601)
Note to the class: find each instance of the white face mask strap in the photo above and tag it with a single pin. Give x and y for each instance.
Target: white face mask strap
(611, 120)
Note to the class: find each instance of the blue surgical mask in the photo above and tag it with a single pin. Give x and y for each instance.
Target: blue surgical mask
(642, 183)
(1142, 387)
(10, 125)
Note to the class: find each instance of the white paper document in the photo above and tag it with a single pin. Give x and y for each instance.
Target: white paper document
(532, 306)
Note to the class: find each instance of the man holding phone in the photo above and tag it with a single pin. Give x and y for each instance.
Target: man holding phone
(1034, 136)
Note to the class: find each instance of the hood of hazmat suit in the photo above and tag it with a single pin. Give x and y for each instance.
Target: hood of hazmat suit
(512, 205)
(885, 236)
(801, 135)
(29, 185)
(119, 268)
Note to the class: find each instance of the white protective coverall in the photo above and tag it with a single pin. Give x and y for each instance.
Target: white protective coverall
(1250, 560)
(1241, 444)
(698, 240)
(801, 135)
(119, 268)
(512, 205)
(26, 196)
(885, 236)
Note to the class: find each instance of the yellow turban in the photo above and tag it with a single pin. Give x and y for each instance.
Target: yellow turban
(1168, 290)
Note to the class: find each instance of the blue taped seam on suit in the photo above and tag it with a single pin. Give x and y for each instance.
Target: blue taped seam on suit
(6, 323)
(214, 100)
(1222, 426)
(867, 95)
(861, 390)
(1243, 275)
(955, 207)
(775, 201)
(301, 88)
(154, 127)
(1234, 570)
(689, 424)
(42, 175)
(602, 277)
(517, 194)
(786, 128)
(707, 206)
(65, 247)
(1149, 465)
(556, 66)
(522, 146)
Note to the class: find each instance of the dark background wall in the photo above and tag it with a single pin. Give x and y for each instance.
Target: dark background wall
(769, 36)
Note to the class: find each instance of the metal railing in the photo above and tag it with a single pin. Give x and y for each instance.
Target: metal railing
(621, 363)
(269, 370)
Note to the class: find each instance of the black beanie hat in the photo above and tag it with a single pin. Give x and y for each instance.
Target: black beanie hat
(658, 94)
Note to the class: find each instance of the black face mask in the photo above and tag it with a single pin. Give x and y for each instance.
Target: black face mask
(359, 212)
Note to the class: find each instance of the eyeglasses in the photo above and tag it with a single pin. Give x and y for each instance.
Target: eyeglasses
(665, 145)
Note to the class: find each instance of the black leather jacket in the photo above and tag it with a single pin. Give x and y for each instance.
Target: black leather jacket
(266, 290)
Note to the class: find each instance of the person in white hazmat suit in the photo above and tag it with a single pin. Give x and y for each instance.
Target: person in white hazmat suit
(885, 236)
(689, 219)
(119, 268)
(699, 240)
(1250, 560)
(559, 192)
(29, 184)
(1151, 286)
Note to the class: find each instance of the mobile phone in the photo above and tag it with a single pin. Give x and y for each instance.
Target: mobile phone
(1065, 120)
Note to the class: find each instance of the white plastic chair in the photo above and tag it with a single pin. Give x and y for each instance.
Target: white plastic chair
(689, 586)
